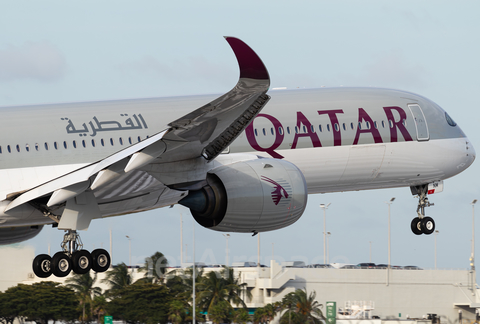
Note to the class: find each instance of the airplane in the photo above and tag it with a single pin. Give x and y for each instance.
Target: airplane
(244, 161)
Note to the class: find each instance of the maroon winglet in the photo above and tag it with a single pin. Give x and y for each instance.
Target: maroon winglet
(251, 66)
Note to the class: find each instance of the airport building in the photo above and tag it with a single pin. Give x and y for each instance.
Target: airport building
(387, 294)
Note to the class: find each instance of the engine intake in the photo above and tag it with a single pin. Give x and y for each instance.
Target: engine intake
(250, 196)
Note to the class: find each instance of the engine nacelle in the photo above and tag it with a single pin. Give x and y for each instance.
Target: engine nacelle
(10, 235)
(250, 196)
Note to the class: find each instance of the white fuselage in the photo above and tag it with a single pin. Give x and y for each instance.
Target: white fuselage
(341, 139)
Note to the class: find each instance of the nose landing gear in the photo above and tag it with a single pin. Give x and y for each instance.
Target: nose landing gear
(72, 257)
(422, 224)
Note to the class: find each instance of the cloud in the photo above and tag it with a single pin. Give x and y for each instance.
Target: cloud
(40, 61)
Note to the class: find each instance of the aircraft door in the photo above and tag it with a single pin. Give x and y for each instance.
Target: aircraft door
(420, 122)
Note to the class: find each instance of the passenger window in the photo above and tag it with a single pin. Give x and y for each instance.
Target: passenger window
(344, 127)
(296, 130)
(390, 123)
(93, 142)
(337, 128)
(102, 142)
(320, 128)
(328, 127)
(83, 143)
(37, 147)
(0, 150)
(383, 124)
(74, 144)
(280, 130)
(359, 125)
(9, 149)
(55, 145)
(139, 139)
(271, 131)
(65, 144)
(256, 133)
(27, 148)
(111, 141)
(288, 129)
(46, 146)
(368, 125)
(304, 128)
(404, 122)
(18, 148)
(130, 140)
(351, 126)
(120, 140)
(264, 133)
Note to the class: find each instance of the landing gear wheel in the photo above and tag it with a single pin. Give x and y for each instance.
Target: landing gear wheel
(428, 225)
(61, 264)
(416, 226)
(81, 262)
(42, 266)
(101, 260)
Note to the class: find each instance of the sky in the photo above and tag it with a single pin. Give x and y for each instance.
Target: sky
(66, 51)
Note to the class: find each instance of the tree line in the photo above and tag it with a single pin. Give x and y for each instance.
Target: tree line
(156, 298)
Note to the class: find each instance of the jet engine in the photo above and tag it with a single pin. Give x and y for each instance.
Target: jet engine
(10, 235)
(250, 196)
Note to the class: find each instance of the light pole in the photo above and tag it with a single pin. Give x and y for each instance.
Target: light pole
(324, 207)
(328, 248)
(389, 240)
(472, 260)
(129, 250)
(436, 233)
(227, 236)
(194, 275)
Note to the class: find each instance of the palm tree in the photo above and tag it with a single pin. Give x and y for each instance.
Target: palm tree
(308, 307)
(118, 278)
(155, 267)
(234, 287)
(301, 308)
(211, 290)
(99, 307)
(83, 284)
(240, 316)
(177, 312)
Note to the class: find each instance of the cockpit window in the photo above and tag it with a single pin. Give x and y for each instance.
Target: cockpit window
(450, 120)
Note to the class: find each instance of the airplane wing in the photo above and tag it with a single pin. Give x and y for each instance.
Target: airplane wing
(205, 132)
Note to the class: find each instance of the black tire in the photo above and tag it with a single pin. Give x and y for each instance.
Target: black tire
(42, 266)
(61, 264)
(101, 260)
(416, 226)
(81, 262)
(428, 225)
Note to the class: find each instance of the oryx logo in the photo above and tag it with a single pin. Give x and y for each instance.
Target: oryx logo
(278, 190)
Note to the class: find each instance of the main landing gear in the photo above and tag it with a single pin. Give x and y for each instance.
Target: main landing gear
(72, 257)
(422, 224)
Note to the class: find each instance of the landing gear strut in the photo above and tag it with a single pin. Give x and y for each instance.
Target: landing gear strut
(422, 224)
(72, 257)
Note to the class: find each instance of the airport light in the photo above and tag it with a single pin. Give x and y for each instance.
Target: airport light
(328, 248)
(129, 250)
(472, 262)
(324, 207)
(436, 233)
(389, 240)
(227, 236)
